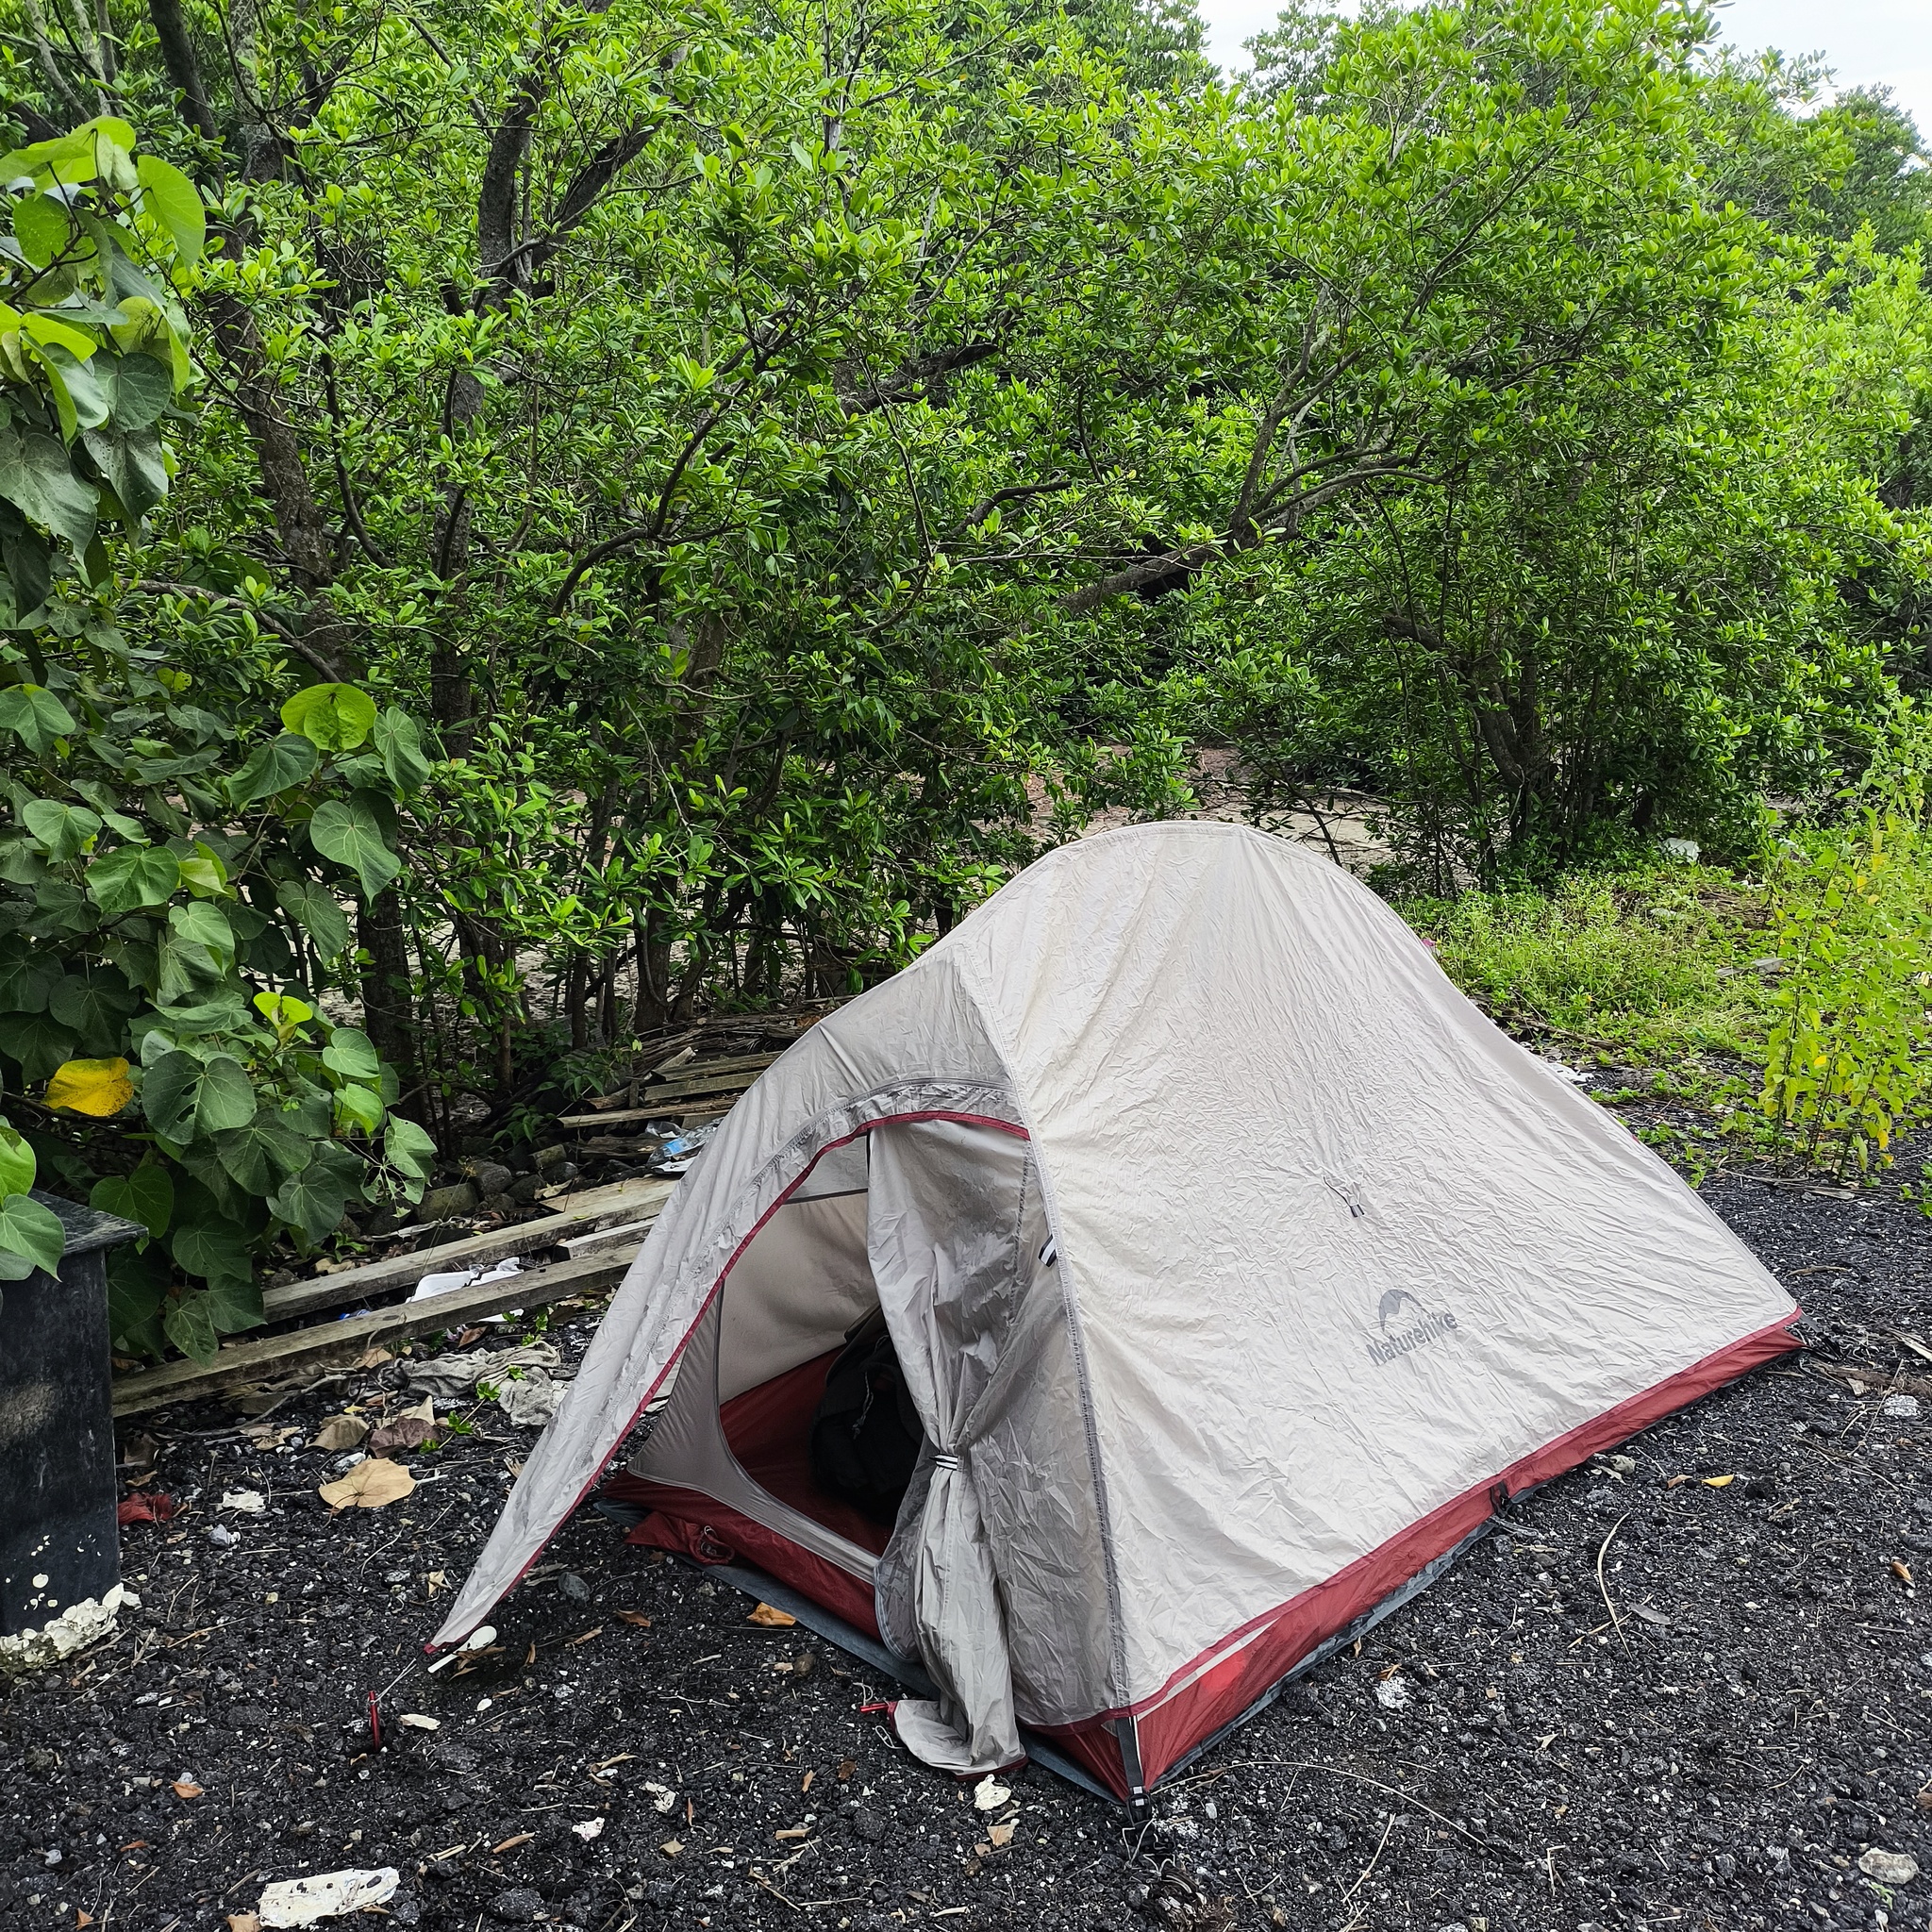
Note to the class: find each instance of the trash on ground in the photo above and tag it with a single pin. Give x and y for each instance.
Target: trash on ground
(663, 1797)
(448, 1377)
(372, 1484)
(1002, 1835)
(415, 1721)
(245, 1501)
(1889, 1868)
(989, 1794)
(532, 1399)
(326, 1895)
(588, 1828)
(433, 1285)
(770, 1616)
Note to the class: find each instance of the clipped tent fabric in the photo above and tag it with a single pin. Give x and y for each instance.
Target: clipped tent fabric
(1235, 1262)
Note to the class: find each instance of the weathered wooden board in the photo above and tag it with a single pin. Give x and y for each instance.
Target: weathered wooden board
(327, 1343)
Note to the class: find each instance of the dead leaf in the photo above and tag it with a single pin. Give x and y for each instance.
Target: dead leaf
(1675, 1482)
(404, 1432)
(1903, 1572)
(82, 1919)
(1719, 1482)
(183, 1789)
(373, 1357)
(793, 1831)
(523, 1838)
(1002, 1835)
(671, 1847)
(372, 1484)
(637, 1617)
(767, 1617)
(341, 1432)
(584, 1636)
(806, 1785)
(243, 1922)
(467, 1336)
(847, 1767)
(1923, 1798)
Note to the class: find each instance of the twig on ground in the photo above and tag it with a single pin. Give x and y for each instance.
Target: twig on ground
(1616, 1622)
(1367, 1868)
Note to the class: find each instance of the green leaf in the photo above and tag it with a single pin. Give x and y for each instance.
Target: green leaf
(189, 1324)
(170, 196)
(276, 766)
(146, 1195)
(310, 1201)
(96, 1002)
(28, 560)
(37, 476)
(133, 876)
(203, 924)
(333, 717)
(350, 833)
(63, 829)
(132, 463)
(40, 1044)
(17, 1163)
(137, 1288)
(41, 227)
(31, 1237)
(34, 716)
(216, 1251)
(352, 1054)
(316, 909)
(357, 1107)
(27, 977)
(76, 381)
(139, 388)
(408, 1148)
(182, 1097)
(235, 1305)
(262, 1155)
(400, 746)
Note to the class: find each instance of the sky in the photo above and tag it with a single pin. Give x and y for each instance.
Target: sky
(1865, 40)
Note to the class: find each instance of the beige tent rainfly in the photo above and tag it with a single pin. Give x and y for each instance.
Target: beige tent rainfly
(1240, 1271)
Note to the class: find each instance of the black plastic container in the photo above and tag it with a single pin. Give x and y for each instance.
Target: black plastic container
(57, 1540)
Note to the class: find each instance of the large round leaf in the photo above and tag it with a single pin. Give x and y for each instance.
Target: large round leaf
(37, 476)
(37, 1041)
(63, 829)
(284, 761)
(132, 876)
(17, 1163)
(264, 1153)
(215, 1251)
(99, 1089)
(311, 1200)
(333, 717)
(31, 1237)
(146, 1195)
(316, 909)
(182, 1097)
(349, 832)
(34, 715)
(96, 1003)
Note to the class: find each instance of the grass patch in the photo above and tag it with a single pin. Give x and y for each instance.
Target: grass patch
(1652, 969)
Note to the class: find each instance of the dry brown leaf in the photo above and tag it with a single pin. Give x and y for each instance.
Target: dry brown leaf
(793, 1831)
(847, 1767)
(341, 1432)
(510, 1845)
(671, 1847)
(637, 1617)
(184, 1788)
(806, 1785)
(769, 1617)
(373, 1357)
(1923, 1798)
(1675, 1482)
(372, 1484)
(1902, 1571)
(584, 1636)
(243, 1922)
(1002, 1835)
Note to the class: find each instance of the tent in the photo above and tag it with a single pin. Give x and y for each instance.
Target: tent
(1240, 1270)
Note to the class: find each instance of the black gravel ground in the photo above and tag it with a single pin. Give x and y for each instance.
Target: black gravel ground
(1501, 1753)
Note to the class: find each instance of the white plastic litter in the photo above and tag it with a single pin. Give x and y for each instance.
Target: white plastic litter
(326, 1895)
(989, 1794)
(1392, 1693)
(245, 1501)
(433, 1285)
(588, 1828)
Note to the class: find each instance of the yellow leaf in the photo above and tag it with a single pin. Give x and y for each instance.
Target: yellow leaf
(1718, 1482)
(771, 1618)
(373, 1483)
(97, 1088)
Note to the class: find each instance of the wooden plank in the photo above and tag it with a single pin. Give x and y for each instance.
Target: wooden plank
(331, 1341)
(635, 1116)
(701, 1082)
(630, 1235)
(577, 1213)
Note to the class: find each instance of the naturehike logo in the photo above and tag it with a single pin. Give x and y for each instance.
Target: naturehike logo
(1405, 1325)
